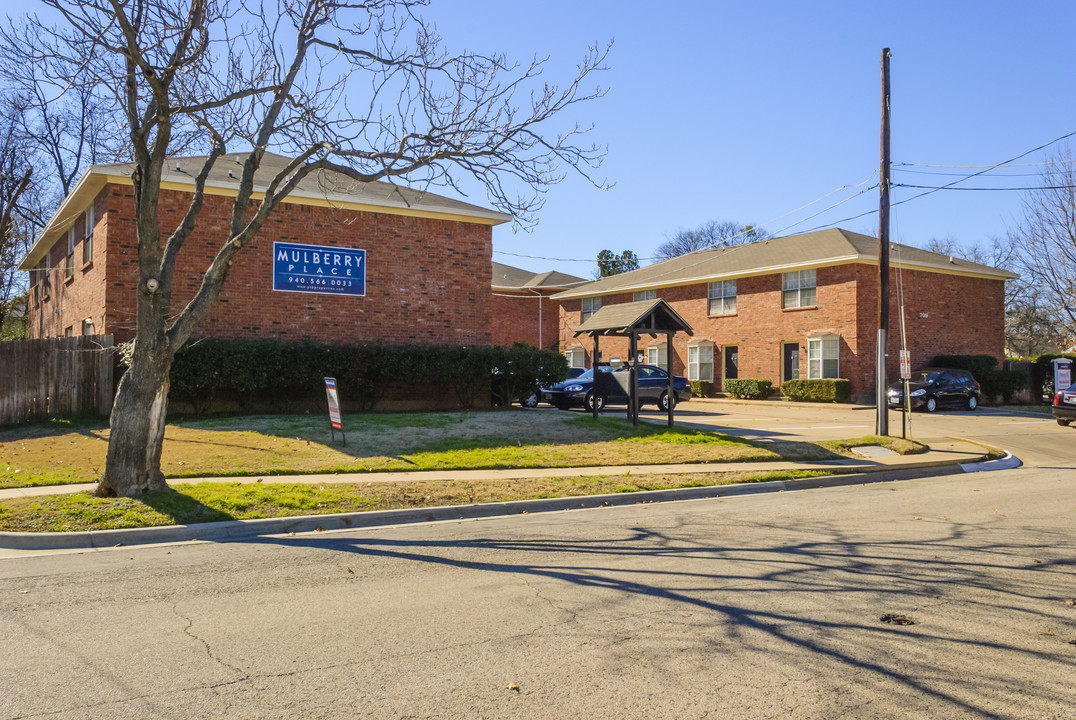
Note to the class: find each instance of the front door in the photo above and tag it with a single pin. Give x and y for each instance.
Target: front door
(732, 362)
(791, 362)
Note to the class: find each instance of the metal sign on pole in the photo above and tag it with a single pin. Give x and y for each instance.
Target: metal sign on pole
(335, 422)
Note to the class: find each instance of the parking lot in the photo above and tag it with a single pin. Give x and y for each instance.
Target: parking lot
(1036, 439)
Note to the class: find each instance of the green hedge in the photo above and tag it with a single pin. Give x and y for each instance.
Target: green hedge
(701, 388)
(287, 374)
(747, 389)
(1042, 373)
(994, 382)
(824, 390)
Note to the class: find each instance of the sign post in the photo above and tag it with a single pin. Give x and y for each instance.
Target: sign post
(905, 375)
(334, 410)
(1062, 374)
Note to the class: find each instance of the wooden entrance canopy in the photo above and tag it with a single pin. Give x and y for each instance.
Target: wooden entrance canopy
(630, 320)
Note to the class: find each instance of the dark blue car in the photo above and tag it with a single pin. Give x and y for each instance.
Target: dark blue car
(653, 388)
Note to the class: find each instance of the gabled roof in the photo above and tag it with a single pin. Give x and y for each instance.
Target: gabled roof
(324, 188)
(624, 318)
(809, 250)
(506, 277)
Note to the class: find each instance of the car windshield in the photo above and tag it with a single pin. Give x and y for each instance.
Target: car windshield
(924, 376)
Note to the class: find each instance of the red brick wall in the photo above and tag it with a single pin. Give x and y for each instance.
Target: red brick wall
(75, 297)
(515, 318)
(964, 316)
(428, 280)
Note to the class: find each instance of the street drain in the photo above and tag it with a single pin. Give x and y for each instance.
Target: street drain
(894, 619)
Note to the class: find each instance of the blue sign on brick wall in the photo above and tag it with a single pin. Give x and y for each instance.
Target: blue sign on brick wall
(319, 269)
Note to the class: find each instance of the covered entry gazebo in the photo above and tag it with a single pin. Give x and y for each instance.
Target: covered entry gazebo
(630, 320)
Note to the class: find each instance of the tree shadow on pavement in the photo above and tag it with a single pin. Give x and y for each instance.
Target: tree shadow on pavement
(814, 594)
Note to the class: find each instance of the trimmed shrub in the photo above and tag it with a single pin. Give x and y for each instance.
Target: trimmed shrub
(287, 375)
(747, 389)
(701, 388)
(822, 390)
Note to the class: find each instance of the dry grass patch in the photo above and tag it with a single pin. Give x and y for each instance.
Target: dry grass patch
(63, 453)
(214, 502)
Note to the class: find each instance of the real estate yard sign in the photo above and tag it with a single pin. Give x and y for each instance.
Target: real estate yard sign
(335, 422)
(319, 269)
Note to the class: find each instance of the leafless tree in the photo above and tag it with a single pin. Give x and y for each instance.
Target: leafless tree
(363, 87)
(16, 172)
(1045, 254)
(712, 234)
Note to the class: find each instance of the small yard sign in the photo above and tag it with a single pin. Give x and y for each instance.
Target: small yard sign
(335, 423)
(319, 269)
(905, 364)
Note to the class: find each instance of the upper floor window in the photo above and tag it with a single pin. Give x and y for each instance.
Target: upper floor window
(591, 305)
(645, 295)
(798, 289)
(722, 295)
(69, 264)
(87, 243)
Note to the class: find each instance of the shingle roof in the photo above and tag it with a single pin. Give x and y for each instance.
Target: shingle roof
(620, 318)
(815, 249)
(321, 187)
(506, 277)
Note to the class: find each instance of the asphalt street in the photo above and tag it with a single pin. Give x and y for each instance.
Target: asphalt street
(756, 606)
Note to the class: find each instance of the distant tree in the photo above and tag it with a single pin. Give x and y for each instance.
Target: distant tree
(712, 234)
(609, 263)
(1044, 244)
(16, 172)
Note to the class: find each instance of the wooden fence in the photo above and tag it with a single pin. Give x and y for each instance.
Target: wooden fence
(55, 378)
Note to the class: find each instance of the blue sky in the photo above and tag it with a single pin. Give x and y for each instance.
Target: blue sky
(748, 111)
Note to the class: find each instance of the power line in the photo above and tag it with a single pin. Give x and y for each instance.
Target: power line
(986, 189)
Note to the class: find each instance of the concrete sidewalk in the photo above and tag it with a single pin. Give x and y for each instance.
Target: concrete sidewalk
(946, 456)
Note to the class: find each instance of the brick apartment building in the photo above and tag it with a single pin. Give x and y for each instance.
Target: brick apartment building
(521, 309)
(383, 264)
(803, 306)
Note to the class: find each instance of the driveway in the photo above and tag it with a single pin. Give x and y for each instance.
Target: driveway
(1036, 439)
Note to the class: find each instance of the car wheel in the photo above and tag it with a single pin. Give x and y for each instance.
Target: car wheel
(931, 405)
(530, 400)
(973, 402)
(591, 399)
(663, 401)
(1063, 422)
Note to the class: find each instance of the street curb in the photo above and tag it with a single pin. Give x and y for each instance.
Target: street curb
(243, 529)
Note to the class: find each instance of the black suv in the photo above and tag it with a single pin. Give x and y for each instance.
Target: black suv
(931, 388)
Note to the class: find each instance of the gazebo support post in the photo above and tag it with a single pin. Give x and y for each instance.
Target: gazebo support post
(633, 378)
(669, 370)
(594, 369)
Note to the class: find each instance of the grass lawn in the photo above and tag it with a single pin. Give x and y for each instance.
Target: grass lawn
(62, 453)
(217, 501)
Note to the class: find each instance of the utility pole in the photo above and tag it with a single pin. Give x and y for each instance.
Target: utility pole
(883, 257)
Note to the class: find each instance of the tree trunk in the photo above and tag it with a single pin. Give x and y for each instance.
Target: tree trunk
(133, 465)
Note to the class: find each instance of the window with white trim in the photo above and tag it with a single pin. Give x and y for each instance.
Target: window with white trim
(644, 295)
(590, 306)
(657, 355)
(722, 294)
(87, 242)
(69, 266)
(700, 361)
(823, 357)
(798, 289)
(577, 357)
